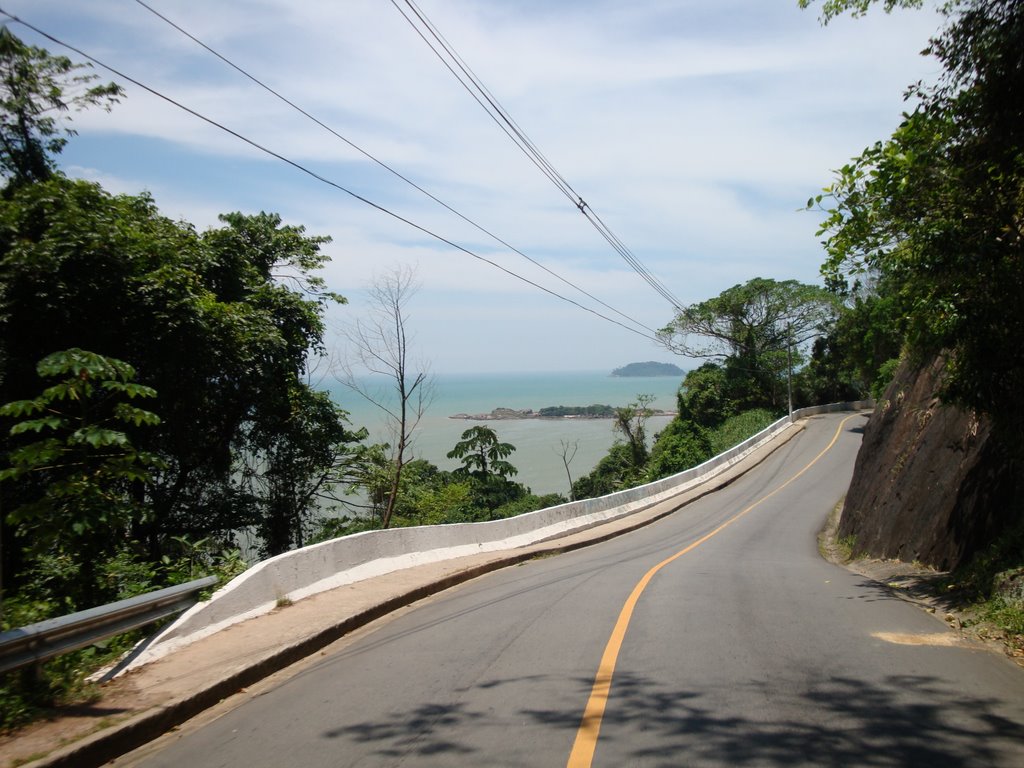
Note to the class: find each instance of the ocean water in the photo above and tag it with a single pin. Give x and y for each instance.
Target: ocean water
(538, 442)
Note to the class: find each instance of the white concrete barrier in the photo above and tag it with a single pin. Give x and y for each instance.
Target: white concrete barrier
(303, 572)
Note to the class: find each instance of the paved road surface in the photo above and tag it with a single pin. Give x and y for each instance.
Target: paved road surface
(724, 646)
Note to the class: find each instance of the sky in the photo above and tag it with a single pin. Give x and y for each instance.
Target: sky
(695, 129)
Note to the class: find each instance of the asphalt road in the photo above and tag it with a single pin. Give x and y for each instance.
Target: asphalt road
(717, 636)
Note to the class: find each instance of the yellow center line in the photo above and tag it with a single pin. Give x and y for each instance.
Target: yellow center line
(583, 747)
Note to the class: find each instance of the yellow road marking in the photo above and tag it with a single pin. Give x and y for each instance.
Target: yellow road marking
(583, 747)
(941, 639)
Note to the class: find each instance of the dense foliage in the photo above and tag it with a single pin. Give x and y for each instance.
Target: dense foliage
(154, 400)
(481, 489)
(767, 345)
(930, 220)
(207, 326)
(595, 411)
(37, 91)
(78, 465)
(925, 239)
(753, 331)
(681, 445)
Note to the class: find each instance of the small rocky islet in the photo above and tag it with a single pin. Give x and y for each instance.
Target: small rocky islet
(594, 411)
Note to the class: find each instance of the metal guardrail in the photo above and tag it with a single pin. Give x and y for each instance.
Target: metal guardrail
(44, 640)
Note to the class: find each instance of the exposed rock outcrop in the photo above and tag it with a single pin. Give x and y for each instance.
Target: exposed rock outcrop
(931, 483)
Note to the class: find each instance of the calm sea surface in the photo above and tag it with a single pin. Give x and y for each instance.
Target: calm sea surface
(538, 455)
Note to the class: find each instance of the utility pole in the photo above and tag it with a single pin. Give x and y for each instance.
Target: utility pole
(789, 360)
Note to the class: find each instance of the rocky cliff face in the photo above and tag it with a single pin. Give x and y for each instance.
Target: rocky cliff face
(931, 482)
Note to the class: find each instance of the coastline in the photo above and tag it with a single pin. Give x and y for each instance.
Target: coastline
(538, 453)
(512, 414)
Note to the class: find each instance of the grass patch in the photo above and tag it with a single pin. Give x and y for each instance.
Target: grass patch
(845, 547)
(19, 761)
(738, 428)
(831, 546)
(993, 584)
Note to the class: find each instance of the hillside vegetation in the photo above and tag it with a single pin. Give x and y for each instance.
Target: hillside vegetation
(155, 405)
(924, 234)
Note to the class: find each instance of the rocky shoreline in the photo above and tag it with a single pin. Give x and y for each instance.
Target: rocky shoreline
(512, 414)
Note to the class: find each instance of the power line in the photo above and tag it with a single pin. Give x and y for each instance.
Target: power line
(478, 91)
(384, 165)
(314, 175)
(448, 56)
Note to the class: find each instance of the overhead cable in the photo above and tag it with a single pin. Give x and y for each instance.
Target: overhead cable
(385, 166)
(455, 64)
(479, 92)
(298, 166)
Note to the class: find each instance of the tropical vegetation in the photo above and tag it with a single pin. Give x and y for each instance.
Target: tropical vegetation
(765, 349)
(155, 396)
(924, 235)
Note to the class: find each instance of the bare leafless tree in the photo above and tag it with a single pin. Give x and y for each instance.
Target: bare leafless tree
(379, 345)
(568, 453)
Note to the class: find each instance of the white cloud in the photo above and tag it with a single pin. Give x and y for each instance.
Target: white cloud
(694, 128)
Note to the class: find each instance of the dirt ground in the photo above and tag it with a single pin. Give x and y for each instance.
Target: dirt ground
(116, 701)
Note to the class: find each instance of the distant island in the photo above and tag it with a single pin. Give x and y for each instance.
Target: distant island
(649, 368)
(551, 412)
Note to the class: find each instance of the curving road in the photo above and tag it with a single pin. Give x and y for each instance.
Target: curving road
(715, 637)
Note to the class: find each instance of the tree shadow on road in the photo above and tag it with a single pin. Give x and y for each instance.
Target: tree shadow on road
(904, 720)
(425, 730)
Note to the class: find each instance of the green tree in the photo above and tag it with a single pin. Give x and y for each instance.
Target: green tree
(624, 464)
(630, 423)
(832, 8)
(828, 377)
(79, 470)
(444, 503)
(614, 472)
(483, 454)
(205, 318)
(869, 334)
(856, 357)
(526, 503)
(297, 465)
(707, 396)
(751, 328)
(431, 496)
(681, 445)
(483, 463)
(37, 90)
(221, 325)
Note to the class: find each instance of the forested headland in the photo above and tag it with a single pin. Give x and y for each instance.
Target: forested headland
(650, 368)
